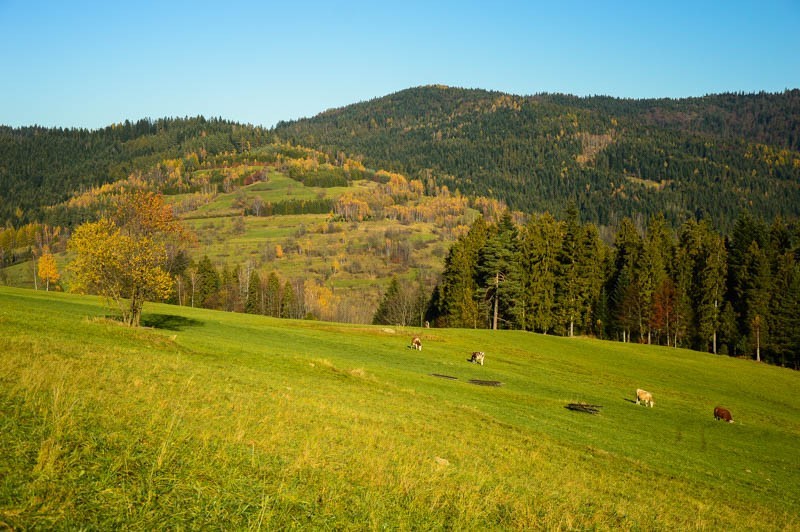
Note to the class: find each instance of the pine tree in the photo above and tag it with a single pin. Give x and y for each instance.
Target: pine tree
(741, 274)
(711, 288)
(497, 284)
(254, 303)
(272, 296)
(785, 312)
(579, 274)
(398, 306)
(290, 307)
(456, 295)
(208, 284)
(703, 254)
(229, 290)
(623, 284)
(757, 295)
(537, 263)
(652, 269)
(568, 279)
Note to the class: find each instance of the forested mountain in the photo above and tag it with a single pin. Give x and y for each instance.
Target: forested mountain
(711, 156)
(40, 166)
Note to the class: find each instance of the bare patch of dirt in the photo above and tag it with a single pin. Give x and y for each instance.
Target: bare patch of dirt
(584, 407)
(481, 382)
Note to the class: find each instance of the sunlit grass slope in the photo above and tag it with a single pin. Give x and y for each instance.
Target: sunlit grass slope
(215, 420)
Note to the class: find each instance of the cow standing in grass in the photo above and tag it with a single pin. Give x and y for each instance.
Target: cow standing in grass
(477, 357)
(416, 343)
(643, 396)
(723, 414)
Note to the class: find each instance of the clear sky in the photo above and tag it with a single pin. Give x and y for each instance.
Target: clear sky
(89, 64)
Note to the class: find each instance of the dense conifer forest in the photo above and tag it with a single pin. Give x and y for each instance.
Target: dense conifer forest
(691, 288)
(696, 157)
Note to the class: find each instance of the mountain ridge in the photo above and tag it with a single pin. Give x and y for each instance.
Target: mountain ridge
(710, 156)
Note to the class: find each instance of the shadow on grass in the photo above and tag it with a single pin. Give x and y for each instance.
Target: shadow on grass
(169, 322)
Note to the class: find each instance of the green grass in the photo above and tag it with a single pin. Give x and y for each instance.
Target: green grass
(216, 420)
(278, 187)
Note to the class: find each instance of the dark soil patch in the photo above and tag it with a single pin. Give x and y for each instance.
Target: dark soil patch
(480, 382)
(584, 407)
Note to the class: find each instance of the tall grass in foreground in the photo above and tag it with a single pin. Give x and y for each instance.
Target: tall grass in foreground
(217, 420)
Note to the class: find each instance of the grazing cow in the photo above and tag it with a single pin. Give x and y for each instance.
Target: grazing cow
(477, 357)
(645, 397)
(723, 414)
(416, 343)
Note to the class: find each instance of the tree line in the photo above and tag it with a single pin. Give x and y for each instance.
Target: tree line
(693, 287)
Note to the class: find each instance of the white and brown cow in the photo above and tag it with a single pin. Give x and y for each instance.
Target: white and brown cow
(723, 414)
(416, 343)
(643, 396)
(477, 357)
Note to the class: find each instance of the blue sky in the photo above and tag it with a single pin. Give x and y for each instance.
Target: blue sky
(90, 64)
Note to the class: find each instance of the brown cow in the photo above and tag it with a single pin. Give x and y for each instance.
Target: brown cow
(723, 414)
(644, 397)
(416, 343)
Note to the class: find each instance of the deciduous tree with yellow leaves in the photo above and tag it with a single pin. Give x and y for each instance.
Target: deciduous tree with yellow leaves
(126, 257)
(48, 271)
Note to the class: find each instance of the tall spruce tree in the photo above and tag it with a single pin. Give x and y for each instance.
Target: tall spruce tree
(208, 284)
(652, 270)
(704, 256)
(498, 286)
(785, 312)
(290, 303)
(623, 282)
(741, 275)
(757, 293)
(537, 263)
(254, 295)
(229, 290)
(272, 296)
(456, 295)
(711, 289)
(579, 274)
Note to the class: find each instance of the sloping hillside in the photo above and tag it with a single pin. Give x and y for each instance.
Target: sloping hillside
(40, 167)
(700, 156)
(220, 420)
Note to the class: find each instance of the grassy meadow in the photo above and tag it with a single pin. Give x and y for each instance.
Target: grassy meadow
(216, 420)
